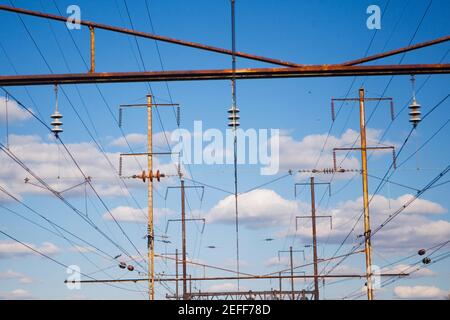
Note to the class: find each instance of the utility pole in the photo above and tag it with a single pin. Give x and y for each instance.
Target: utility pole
(291, 263)
(182, 187)
(367, 242)
(363, 148)
(183, 241)
(150, 230)
(149, 176)
(292, 272)
(176, 272)
(280, 281)
(313, 217)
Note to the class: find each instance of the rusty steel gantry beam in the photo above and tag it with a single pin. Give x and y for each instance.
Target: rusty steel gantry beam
(95, 25)
(225, 74)
(289, 70)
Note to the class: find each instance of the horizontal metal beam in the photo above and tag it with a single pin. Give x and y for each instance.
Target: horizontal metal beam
(196, 75)
(244, 294)
(146, 35)
(235, 278)
(397, 51)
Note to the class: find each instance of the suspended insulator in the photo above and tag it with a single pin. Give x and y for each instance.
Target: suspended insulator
(142, 176)
(158, 175)
(334, 160)
(233, 117)
(414, 107)
(56, 116)
(120, 117)
(421, 252)
(234, 124)
(414, 113)
(394, 158)
(130, 267)
(178, 116)
(122, 265)
(333, 116)
(426, 260)
(392, 110)
(234, 110)
(120, 165)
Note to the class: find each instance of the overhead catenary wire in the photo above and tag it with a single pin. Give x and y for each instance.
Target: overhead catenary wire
(11, 155)
(71, 156)
(46, 256)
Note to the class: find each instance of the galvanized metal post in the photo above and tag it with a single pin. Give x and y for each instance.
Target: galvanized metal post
(367, 244)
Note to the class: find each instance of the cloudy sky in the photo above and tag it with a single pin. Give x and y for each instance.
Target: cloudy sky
(97, 227)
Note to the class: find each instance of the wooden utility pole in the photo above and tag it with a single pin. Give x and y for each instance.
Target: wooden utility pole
(292, 273)
(176, 273)
(367, 244)
(150, 230)
(183, 220)
(291, 264)
(364, 173)
(183, 239)
(313, 217)
(147, 177)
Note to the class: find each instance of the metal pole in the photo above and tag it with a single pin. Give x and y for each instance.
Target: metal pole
(183, 240)
(150, 231)
(233, 102)
(176, 273)
(92, 33)
(279, 273)
(313, 216)
(241, 74)
(367, 245)
(292, 273)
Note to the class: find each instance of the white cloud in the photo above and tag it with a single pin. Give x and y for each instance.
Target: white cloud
(140, 140)
(16, 294)
(257, 209)
(50, 162)
(225, 287)
(303, 154)
(284, 261)
(412, 228)
(415, 227)
(132, 138)
(13, 275)
(136, 215)
(420, 292)
(82, 249)
(405, 268)
(15, 112)
(10, 249)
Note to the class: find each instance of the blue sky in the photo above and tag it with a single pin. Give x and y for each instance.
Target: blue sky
(321, 32)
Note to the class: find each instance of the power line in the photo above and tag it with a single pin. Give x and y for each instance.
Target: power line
(58, 262)
(11, 155)
(383, 180)
(65, 147)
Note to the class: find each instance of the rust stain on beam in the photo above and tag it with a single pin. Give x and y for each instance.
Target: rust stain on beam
(197, 75)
